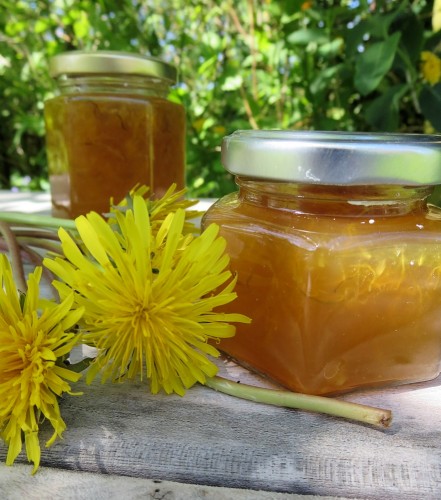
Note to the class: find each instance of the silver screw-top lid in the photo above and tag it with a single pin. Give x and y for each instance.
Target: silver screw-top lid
(334, 158)
(102, 62)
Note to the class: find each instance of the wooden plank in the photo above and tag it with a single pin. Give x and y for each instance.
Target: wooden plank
(16, 484)
(208, 438)
(40, 203)
(31, 202)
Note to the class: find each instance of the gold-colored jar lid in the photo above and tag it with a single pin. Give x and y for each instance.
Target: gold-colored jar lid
(76, 63)
(334, 158)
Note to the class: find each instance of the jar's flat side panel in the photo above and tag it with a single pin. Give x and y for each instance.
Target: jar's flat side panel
(107, 146)
(100, 147)
(168, 146)
(338, 310)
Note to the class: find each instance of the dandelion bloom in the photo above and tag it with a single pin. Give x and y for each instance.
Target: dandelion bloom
(158, 209)
(34, 341)
(150, 297)
(431, 67)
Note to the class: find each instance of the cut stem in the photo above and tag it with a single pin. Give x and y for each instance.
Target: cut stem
(319, 404)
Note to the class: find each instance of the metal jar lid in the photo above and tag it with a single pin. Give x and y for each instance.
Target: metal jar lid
(77, 63)
(334, 158)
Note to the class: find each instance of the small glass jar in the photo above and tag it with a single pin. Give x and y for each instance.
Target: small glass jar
(337, 255)
(111, 127)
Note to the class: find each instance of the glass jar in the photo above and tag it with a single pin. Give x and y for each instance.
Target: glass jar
(337, 255)
(111, 127)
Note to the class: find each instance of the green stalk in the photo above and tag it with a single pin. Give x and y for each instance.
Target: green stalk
(41, 243)
(36, 220)
(32, 232)
(319, 404)
(15, 256)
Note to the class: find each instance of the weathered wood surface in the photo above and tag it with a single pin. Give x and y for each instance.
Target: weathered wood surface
(25, 202)
(208, 438)
(57, 484)
(211, 439)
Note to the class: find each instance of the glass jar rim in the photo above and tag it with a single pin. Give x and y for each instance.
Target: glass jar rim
(102, 62)
(334, 158)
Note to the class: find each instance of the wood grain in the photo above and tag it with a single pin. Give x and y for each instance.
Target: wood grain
(208, 438)
(55, 484)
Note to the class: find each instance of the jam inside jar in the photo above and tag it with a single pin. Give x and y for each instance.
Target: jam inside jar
(111, 127)
(342, 281)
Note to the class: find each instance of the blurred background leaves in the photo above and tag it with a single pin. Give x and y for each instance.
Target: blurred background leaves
(318, 64)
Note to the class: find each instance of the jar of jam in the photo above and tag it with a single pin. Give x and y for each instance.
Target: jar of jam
(338, 257)
(111, 127)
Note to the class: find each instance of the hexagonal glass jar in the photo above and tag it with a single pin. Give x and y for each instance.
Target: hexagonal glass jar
(337, 255)
(111, 127)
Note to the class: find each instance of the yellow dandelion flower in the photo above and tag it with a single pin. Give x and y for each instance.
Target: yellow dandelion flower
(431, 67)
(34, 339)
(150, 298)
(159, 208)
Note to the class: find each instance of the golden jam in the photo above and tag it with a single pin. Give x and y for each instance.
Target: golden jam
(342, 283)
(104, 136)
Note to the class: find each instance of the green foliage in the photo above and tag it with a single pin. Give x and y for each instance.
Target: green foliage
(324, 65)
(374, 63)
(430, 99)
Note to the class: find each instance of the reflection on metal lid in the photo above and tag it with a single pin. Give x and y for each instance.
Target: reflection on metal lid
(78, 62)
(334, 158)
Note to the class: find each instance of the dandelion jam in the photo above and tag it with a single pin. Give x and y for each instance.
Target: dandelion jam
(110, 128)
(338, 257)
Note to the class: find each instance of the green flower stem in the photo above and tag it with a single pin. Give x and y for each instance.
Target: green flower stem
(320, 404)
(41, 243)
(37, 260)
(36, 220)
(41, 234)
(15, 256)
